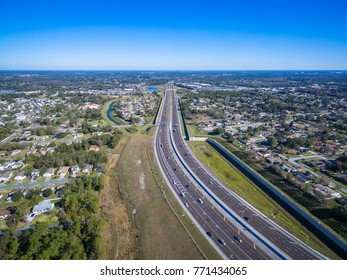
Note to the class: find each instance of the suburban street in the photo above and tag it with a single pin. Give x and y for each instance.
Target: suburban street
(33, 184)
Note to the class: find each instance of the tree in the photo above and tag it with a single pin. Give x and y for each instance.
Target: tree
(17, 196)
(218, 131)
(47, 192)
(272, 141)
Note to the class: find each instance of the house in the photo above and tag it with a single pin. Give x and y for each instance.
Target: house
(87, 168)
(90, 106)
(342, 200)
(17, 164)
(6, 176)
(49, 173)
(288, 168)
(271, 160)
(4, 214)
(8, 164)
(303, 178)
(77, 135)
(63, 171)
(98, 168)
(94, 148)
(74, 169)
(43, 207)
(325, 193)
(20, 176)
(45, 150)
(292, 151)
(263, 153)
(15, 152)
(35, 173)
(58, 190)
(31, 151)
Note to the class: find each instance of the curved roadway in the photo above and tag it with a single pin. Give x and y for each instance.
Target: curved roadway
(218, 212)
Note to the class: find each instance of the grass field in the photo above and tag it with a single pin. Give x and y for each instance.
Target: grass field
(231, 177)
(158, 233)
(104, 111)
(117, 237)
(196, 131)
(50, 218)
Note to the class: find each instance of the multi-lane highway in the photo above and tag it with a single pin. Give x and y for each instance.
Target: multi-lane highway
(234, 228)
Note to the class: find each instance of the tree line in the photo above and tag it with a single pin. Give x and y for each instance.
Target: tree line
(75, 236)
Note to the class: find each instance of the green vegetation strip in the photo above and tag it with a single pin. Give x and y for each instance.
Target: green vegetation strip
(234, 179)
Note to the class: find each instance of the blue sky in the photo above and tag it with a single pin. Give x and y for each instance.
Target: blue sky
(173, 35)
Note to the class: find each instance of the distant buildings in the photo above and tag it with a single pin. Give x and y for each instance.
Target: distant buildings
(90, 106)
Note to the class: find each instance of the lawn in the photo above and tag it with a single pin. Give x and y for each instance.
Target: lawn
(50, 218)
(3, 224)
(20, 155)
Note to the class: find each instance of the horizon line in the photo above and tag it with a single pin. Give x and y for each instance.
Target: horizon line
(173, 70)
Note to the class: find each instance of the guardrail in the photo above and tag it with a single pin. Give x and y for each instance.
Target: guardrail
(156, 114)
(184, 122)
(325, 235)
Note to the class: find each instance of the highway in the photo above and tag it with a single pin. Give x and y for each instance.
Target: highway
(217, 211)
(205, 215)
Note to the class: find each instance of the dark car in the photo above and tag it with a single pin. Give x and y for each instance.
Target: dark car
(221, 241)
(209, 233)
(238, 238)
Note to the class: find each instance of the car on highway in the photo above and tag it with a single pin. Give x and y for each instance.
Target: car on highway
(182, 194)
(246, 218)
(187, 186)
(209, 233)
(238, 238)
(210, 182)
(200, 200)
(186, 204)
(221, 241)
